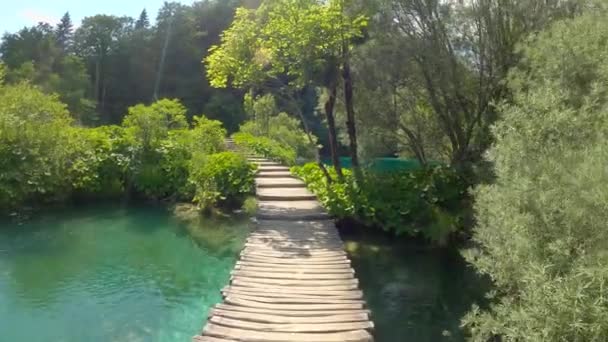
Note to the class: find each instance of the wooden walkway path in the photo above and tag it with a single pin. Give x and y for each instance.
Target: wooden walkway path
(293, 281)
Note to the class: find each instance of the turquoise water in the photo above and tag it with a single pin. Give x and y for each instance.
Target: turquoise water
(112, 274)
(416, 294)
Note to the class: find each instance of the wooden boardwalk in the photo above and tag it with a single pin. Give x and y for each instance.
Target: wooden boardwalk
(293, 281)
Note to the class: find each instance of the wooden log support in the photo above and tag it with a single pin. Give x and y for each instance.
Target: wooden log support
(293, 280)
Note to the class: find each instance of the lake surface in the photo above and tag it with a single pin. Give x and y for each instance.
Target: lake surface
(416, 294)
(112, 274)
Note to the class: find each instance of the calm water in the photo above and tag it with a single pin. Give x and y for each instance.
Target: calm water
(415, 294)
(139, 274)
(112, 274)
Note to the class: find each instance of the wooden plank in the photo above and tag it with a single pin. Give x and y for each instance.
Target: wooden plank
(290, 327)
(266, 293)
(273, 174)
(303, 233)
(304, 247)
(296, 282)
(264, 238)
(292, 254)
(289, 313)
(269, 318)
(295, 237)
(293, 275)
(288, 182)
(291, 307)
(295, 261)
(262, 336)
(199, 338)
(264, 161)
(272, 168)
(304, 269)
(284, 297)
(259, 297)
(320, 267)
(294, 291)
(296, 225)
(255, 284)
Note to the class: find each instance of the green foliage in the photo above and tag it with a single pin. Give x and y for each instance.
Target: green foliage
(261, 109)
(38, 55)
(285, 130)
(266, 147)
(158, 149)
(2, 73)
(225, 106)
(427, 202)
(250, 206)
(43, 157)
(542, 227)
(121, 61)
(161, 147)
(233, 58)
(34, 145)
(150, 124)
(265, 43)
(222, 178)
(99, 161)
(266, 121)
(207, 135)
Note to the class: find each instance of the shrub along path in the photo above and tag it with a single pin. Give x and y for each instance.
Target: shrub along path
(293, 281)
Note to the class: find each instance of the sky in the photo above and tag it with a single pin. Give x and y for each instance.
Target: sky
(16, 14)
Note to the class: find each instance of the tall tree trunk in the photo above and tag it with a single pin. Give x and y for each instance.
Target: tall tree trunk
(103, 94)
(331, 128)
(350, 113)
(97, 74)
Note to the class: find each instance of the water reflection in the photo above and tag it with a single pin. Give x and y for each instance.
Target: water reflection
(415, 293)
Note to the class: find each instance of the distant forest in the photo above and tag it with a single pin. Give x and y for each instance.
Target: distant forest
(109, 63)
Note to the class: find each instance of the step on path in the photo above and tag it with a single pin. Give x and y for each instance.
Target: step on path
(293, 280)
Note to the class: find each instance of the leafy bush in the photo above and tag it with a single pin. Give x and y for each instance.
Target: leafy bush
(99, 161)
(223, 178)
(207, 135)
(159, 148)
(265, 147)
(425, 202)
(285, 130)
(34, 145)
(543, 226)
(148, 125)
(44, 158)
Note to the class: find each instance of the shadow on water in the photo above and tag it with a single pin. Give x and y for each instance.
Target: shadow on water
(416, 294)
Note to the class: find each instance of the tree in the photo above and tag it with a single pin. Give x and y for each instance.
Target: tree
(96, 39)
(150, 124)
(34, 44)
(34, 55)
(542, 227)
(34, 145)
(437, 67)
(2, 73)
(286, 45)
(143, 22)
(64, 32)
